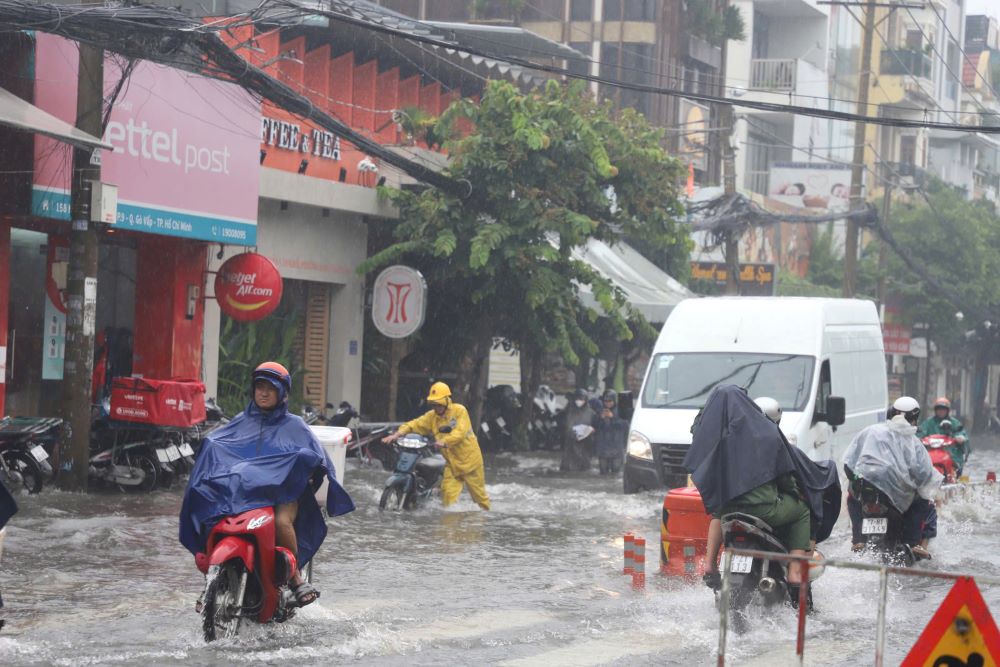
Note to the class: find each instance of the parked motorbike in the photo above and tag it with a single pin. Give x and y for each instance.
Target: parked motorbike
(881, 525)
(500, 411)
(544, 427)
(246, 575)
(24, 459)
(419, 469)
(119, 458)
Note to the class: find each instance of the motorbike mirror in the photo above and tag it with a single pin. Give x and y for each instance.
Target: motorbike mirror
(444, 429)
(836, 410)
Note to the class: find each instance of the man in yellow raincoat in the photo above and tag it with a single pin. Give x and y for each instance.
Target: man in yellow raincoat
(458, 444)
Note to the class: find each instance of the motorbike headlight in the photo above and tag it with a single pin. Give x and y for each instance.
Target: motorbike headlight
(638, 446)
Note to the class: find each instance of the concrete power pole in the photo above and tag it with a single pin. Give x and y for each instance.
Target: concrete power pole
(732, 248)
(81, 299)
(858, 166)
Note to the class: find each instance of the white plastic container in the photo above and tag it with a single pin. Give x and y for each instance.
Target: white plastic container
(334, 440)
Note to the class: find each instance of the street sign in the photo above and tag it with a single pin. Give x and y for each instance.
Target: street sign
(399, 301)
(961, 632)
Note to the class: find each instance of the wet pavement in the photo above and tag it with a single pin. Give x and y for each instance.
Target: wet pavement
(102, 580)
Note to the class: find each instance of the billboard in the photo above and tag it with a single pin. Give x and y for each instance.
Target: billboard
(811, 185)
(186, 157)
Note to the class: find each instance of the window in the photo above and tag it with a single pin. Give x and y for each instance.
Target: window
(634, 10)
(908, 149)
(914, 40)
(686, 380)
(581, 10)
(581, 64)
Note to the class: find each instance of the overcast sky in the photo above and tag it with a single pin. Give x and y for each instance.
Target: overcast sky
(982, 7)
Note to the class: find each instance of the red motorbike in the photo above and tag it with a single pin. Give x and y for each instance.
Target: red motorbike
(247, 575)
(939, 447)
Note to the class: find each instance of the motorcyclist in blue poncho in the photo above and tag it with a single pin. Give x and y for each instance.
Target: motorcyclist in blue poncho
(265, 457)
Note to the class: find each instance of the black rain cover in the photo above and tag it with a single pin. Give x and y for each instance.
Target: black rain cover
(736, 448)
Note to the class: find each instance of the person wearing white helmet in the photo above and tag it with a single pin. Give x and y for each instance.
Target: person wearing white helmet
(890, 457)
(770, 407)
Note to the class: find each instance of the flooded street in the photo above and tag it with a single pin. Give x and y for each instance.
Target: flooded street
(102, 580)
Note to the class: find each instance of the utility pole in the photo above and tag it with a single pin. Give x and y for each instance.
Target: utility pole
(81, 298)
(883, 247)
(732, 247)
(858, 166)
(726, 121)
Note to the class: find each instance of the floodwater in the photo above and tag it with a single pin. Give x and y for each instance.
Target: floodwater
(102, 580)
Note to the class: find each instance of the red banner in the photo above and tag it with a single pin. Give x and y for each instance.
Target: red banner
(158, 402)
(896, 338)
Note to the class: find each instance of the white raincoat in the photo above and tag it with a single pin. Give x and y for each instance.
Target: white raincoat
(890, 457)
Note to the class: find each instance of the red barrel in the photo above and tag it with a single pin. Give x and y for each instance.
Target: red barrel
(683, 534)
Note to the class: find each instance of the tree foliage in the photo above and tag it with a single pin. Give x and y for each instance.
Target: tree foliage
(958, 243)
(547, 171)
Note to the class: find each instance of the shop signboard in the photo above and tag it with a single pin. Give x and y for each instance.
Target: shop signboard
(54, 348)
(186, 157)
(248, 287)
(754, 279)
(399, 301)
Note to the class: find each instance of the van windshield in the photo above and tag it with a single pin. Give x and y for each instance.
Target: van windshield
(685, 380)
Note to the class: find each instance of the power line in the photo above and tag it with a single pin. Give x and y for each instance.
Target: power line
(701, 97)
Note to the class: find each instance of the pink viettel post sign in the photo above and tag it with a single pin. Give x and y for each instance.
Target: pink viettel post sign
(186, 148)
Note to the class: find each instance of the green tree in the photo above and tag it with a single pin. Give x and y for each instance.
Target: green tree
(958, 243)
(546, 171)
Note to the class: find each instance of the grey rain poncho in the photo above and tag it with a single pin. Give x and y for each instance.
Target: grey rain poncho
(891, 458)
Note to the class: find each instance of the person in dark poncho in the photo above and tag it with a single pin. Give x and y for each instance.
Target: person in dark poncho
(265, 457)
(741, 462)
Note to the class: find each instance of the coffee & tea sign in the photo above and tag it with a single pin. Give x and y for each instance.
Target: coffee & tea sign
(248, 287)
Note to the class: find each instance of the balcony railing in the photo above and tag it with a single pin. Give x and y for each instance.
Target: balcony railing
(773, 74)
(904, 62)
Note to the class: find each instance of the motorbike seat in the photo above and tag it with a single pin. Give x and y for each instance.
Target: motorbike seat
(747, 518)
(435, 463)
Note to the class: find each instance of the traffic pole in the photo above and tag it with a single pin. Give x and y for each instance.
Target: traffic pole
(629, 554)
(639, 575)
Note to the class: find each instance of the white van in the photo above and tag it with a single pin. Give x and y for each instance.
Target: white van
(821, 359)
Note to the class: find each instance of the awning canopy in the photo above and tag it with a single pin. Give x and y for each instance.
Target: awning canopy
(22, 115)
(648, 288)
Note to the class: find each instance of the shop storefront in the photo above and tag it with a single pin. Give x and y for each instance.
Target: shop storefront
(185, 162)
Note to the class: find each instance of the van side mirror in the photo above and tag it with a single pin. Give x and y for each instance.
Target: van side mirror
(836, 410)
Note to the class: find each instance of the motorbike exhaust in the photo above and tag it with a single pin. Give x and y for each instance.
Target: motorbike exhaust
(767, 585)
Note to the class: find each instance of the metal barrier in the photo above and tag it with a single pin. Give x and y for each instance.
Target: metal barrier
(809, 562)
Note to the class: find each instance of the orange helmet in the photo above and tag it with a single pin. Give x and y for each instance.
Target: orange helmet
(277, 375)
(942, 402)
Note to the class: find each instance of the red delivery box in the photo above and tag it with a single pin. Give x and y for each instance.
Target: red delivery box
(158, 402)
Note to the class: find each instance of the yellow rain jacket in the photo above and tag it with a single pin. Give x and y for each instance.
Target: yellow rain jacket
(461, 451)
(461, 445)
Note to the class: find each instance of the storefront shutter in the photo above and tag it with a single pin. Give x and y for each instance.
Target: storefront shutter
(315, 354)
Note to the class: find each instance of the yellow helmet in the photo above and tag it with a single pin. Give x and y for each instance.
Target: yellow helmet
(440, 393)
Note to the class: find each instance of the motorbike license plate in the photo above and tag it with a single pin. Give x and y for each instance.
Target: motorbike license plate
(874, 526)
(173, 453)
(163, 456)
(741, 564)
(39, 453)
(186, 449)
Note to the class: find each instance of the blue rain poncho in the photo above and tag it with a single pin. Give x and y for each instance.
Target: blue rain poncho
(889, 456)
(261, 459)
(8, 506)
